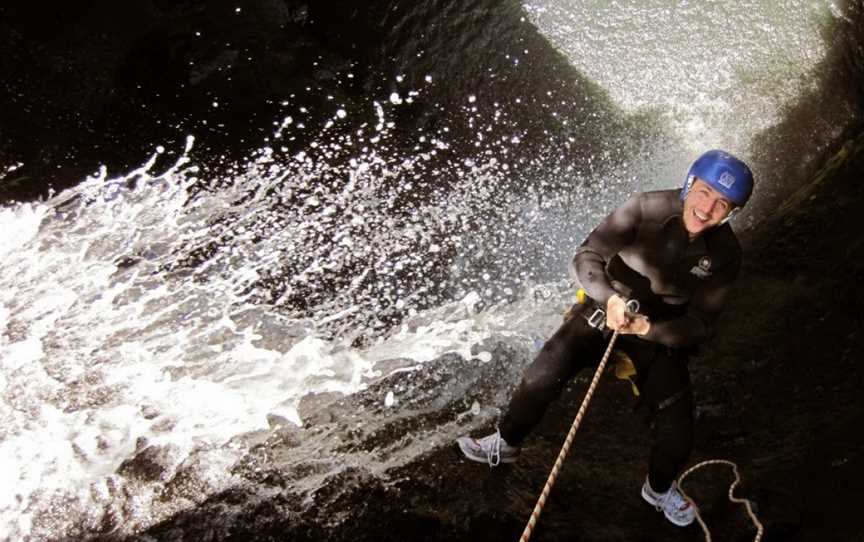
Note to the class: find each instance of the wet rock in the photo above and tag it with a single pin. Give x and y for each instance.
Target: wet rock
(387, 366)
(153, 463)
(203, 473)
(319, 408)
(149, 412)
(276, 420)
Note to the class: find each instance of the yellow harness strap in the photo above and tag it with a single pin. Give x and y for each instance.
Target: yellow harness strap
(624, 369)
(581, 296)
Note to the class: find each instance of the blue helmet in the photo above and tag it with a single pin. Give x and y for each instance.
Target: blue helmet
(724, 173)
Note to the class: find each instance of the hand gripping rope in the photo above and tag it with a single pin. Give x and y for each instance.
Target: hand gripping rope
(565, 449)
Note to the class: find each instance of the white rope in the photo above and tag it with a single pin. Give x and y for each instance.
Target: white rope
(565, 449)
(747, 504)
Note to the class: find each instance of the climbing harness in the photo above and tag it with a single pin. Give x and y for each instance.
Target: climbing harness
(597, 317)
(565, 449)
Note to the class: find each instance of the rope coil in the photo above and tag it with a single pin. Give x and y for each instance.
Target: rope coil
(760, 529)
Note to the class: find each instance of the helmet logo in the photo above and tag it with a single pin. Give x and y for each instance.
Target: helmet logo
(726, 180)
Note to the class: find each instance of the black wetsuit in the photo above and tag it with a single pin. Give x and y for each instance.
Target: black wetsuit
(641, 251)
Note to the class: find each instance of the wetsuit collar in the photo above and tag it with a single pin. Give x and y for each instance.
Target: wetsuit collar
(694, 245)
(697, 244)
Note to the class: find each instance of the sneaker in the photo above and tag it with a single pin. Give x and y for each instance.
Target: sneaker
(491, 449)
(675, 507)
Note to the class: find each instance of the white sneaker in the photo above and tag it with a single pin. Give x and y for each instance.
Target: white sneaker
(675, 507)
(491, 449)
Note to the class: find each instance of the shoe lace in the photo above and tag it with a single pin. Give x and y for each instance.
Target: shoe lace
(493, 448)
(672, 499)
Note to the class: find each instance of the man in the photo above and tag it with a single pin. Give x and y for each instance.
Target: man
(673, 252)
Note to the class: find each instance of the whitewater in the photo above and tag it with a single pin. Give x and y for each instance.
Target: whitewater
(162, 310)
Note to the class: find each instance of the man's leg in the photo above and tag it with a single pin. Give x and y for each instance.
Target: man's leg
(574, 346)
(673, 442)
(666, 389)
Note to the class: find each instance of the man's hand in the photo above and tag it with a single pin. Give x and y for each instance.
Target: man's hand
(618, 319)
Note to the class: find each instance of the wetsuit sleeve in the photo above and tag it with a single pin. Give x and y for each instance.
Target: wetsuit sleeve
(617, 231)
(698, 323)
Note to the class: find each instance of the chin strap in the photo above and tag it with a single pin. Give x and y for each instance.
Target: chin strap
(732, 213)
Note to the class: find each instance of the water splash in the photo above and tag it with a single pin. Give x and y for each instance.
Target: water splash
(160, 310)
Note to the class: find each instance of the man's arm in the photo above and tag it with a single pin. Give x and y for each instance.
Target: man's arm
(617, 230)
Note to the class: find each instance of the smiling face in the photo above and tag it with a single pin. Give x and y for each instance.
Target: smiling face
(704, 208)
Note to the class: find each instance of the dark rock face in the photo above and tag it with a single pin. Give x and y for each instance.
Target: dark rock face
(105, 83)
(783, 406)
(812, 126)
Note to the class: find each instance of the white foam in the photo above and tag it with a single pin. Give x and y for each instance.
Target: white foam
(18, 354)
(95, 358)
(19, 225)
(103, 347)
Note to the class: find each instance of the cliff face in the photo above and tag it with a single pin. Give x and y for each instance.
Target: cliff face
(778, 393)
(789, 357)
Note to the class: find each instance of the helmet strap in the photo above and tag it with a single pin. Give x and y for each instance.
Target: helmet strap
(687, 186)
(732, 213)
